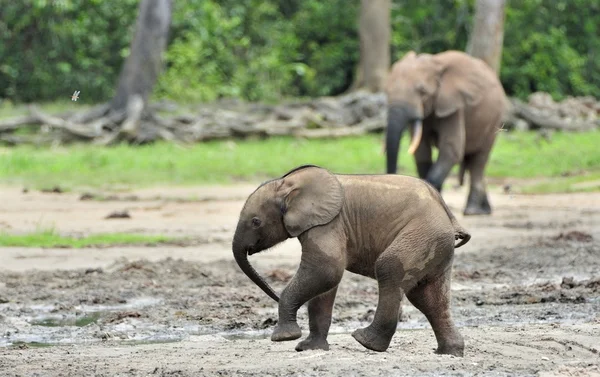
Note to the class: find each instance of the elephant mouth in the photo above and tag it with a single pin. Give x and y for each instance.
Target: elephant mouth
(253, 249)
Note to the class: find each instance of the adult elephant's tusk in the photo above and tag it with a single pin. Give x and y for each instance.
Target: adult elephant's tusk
(416, 137)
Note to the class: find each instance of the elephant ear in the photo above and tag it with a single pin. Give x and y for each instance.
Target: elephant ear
(311, 196)
(462, 82)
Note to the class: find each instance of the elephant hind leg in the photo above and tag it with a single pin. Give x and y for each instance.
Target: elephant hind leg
(392, 282)
(378, 335)
(432, 297)
(477, 202)
(451, 146)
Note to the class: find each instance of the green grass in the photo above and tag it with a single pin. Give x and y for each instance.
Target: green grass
(516, 154)
(49, 239)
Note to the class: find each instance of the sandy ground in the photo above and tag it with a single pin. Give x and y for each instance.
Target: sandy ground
(526, 293)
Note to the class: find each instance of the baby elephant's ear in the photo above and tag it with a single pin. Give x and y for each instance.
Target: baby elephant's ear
(312, 196)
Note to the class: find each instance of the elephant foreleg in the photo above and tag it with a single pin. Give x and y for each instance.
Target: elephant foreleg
(423, 158)
(319, 319)
(316, 275)
(451, 136)
(439, 172)
(477, 202)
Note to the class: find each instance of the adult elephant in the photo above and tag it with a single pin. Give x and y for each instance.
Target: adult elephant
(451, 101)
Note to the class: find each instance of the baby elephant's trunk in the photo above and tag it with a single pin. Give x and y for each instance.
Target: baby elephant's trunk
(240, 253)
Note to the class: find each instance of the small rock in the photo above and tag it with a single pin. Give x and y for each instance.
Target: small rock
(87, 196)
(368, 316)
(119, 215)
(574, 235)
(53, 190)
(545, 358)
(567, 282)
(521, 125)
(268, 323)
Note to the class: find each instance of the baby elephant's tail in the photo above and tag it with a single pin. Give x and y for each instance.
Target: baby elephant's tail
(460, 233)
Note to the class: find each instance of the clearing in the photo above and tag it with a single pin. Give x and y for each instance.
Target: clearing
(526, 293)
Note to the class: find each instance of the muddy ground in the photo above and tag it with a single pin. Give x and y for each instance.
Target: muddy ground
(526, 293)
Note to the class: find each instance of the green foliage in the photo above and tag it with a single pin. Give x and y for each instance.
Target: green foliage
(443, 25)
(269, 49)
(328, 44)
(227, 50)
(50, 48)
(552, 46)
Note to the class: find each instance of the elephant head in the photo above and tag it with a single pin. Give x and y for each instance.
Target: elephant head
(283, 208)
(426, 85)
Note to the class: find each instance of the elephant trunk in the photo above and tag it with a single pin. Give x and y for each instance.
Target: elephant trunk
(398, 121)
(240, 254)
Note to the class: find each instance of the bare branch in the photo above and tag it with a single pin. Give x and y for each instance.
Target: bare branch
(14, 123)
(76, 129)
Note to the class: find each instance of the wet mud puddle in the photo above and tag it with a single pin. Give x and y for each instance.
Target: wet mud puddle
(41, 326)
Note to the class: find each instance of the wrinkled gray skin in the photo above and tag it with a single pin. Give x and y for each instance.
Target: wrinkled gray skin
(392, 228)
(453, 102)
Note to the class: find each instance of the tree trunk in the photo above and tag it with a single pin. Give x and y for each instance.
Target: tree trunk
(144, 63)
(374, 31)
(487, 35)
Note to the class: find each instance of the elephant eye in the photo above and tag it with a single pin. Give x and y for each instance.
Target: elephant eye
(256, 222)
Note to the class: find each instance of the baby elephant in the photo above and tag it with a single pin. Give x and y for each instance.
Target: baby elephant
(395, 229)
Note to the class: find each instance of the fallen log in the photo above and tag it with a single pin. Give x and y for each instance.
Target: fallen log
(351, 114)
(14, 123)
(541, 119)
(52, 121)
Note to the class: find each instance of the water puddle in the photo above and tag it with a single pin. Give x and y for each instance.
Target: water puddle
(245, 335)
(30, 345)
(60, 321)
(43, 327)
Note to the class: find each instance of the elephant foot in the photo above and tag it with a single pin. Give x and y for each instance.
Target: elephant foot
(372, 340)
(477, 204)
(456, 347)
(476, 211)
(316, 343)
(288, 331)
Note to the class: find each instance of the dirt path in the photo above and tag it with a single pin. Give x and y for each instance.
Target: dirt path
(526, 297)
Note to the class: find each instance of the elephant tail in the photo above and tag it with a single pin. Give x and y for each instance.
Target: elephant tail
(460, 233)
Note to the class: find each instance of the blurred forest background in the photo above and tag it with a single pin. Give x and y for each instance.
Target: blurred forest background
(263, 50)
(282, 75)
